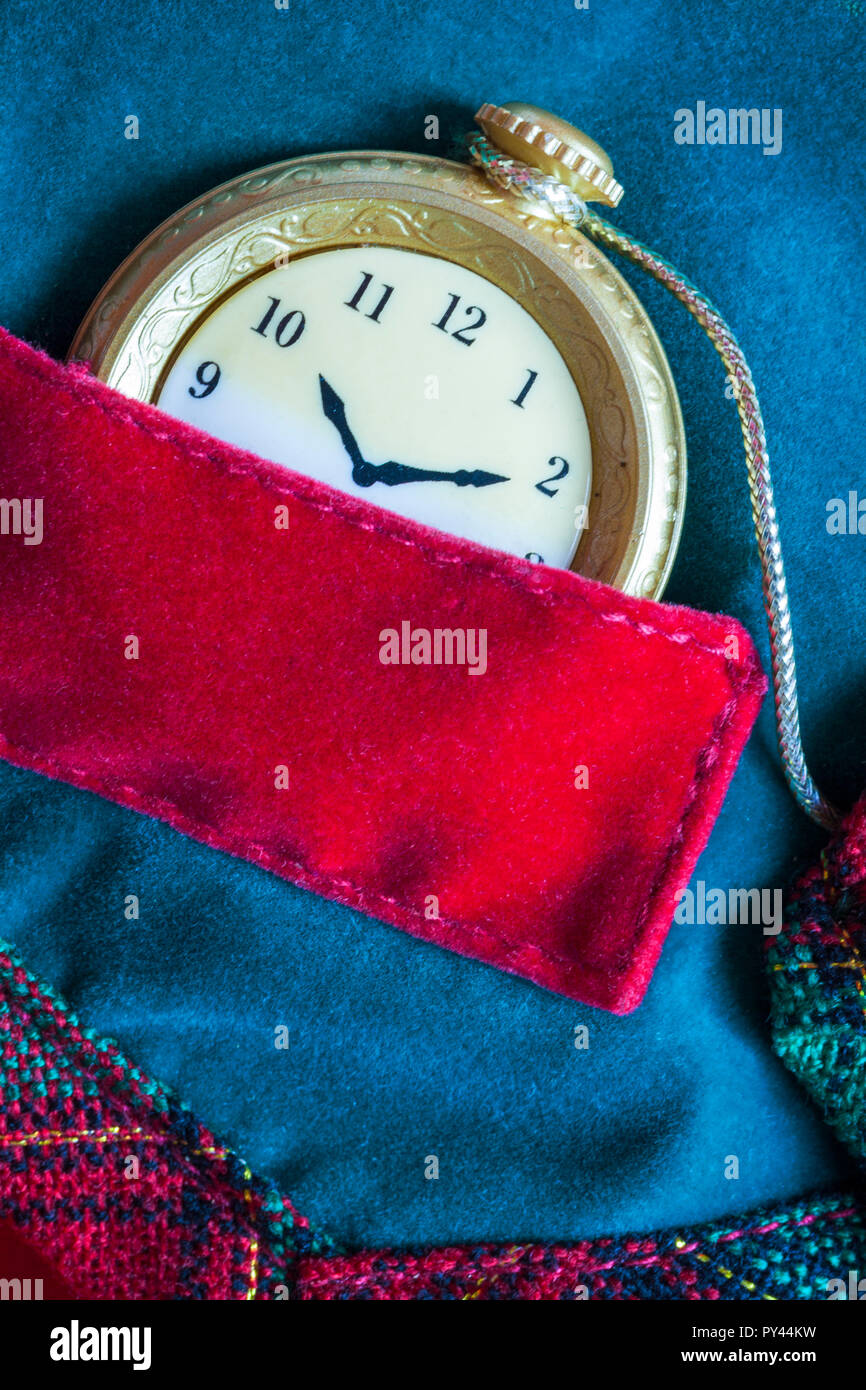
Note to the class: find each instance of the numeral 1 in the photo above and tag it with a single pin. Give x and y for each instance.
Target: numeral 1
(285, 334)
(355, 301)
(529, 383)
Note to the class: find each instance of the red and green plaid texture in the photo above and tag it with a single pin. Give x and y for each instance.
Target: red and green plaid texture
(189, 1220)
(818, 983)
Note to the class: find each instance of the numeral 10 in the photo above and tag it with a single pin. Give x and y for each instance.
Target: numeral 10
(289, 328)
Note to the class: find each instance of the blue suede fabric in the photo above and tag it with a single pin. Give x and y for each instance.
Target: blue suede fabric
(399, 1051)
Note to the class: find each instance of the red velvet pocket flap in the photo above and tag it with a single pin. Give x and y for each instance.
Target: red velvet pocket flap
(207, 638)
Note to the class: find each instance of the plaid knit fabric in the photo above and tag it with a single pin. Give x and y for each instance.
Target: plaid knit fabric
(127, 1196)
(113, 1181)
(786, 1253)
(818, 983)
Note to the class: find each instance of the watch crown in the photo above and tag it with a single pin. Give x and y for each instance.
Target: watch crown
(541, 139)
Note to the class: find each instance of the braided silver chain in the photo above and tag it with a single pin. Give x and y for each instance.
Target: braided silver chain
(571, 209)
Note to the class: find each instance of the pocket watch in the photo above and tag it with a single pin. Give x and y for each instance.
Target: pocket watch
(402, 329)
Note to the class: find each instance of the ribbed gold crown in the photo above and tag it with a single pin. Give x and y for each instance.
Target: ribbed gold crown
(539, 138)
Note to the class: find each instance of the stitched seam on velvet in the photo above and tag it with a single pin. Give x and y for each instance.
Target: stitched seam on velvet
(704, 763)
(517, 951)
(87, 396)
(738, 676)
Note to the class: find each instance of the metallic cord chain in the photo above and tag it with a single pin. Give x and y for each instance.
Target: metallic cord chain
(521, 178)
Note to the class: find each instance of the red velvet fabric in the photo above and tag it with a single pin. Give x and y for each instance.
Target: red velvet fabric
(21, 1260)
(259, 648)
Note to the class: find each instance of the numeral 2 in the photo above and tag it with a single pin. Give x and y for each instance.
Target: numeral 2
(289, 328)
(459, 334)
(355, 301)
(557, 477)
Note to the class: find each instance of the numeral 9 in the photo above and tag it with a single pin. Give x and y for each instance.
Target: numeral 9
(207, 376)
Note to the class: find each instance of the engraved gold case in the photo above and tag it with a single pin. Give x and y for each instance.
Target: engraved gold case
(160, 295)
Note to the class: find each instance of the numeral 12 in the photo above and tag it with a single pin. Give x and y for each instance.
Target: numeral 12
(459, 334)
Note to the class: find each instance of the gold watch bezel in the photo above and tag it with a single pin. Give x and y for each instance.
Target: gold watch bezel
(209, 249)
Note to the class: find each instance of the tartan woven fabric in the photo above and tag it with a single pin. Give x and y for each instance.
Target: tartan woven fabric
(113, 1181)
(818, 981)
(785, 1253)
(127, 1196)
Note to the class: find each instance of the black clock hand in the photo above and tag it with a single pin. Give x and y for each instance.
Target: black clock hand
(392, 473)
(335, 411)
(365, 474)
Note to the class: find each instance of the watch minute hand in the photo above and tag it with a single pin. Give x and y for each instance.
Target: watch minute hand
(392, 473)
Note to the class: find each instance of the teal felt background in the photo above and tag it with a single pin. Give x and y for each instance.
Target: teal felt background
(399, 1050)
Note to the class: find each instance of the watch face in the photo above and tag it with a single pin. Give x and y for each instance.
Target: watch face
(402, 378)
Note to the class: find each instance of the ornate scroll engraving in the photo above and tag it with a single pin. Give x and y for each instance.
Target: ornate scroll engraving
(215, 245)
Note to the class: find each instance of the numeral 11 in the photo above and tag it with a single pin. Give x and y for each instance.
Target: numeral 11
(355, 301)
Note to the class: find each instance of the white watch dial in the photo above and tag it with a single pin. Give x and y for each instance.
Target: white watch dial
(404, 379)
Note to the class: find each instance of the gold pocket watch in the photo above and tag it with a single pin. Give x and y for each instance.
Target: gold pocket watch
(402, 329)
